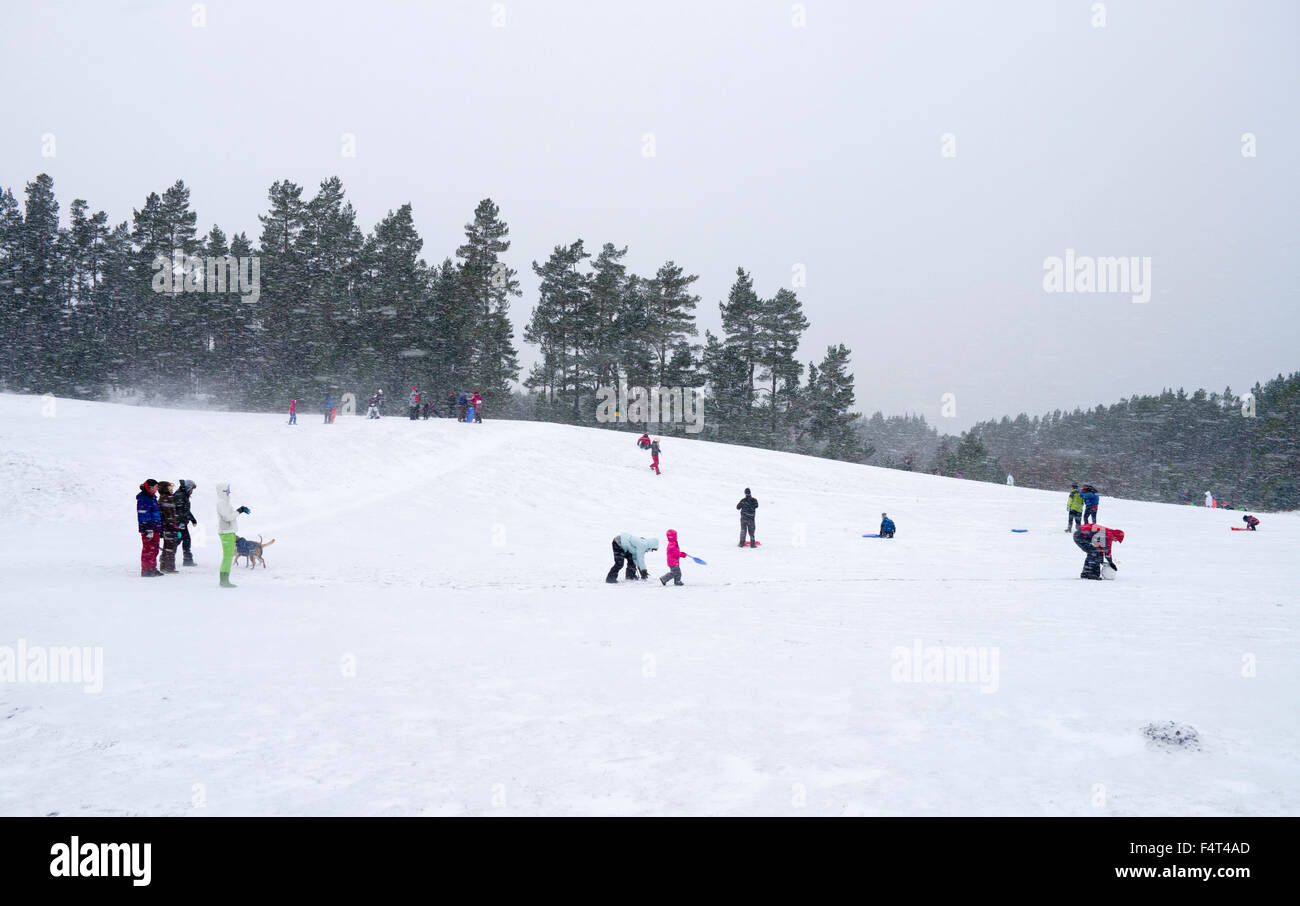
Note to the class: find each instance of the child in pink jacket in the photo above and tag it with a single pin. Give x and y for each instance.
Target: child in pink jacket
(675, 555)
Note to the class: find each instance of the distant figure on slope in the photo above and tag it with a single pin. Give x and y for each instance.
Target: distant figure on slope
(379, 402)
(185, 518)
(1209, 499)
(1095, 540)
(462, 406)
(1090, 500)
(1250, 521)
(654, 455)
(372, 407)
(293, 412)
(632, 549)
(643, 442)
(748, 504)
(1074, 508)
(451, 404)
(148, 520)
(1011, 481)
(476, 406)
(329, 407)
(170, 526)
(675, 555)
(227, 530)
(413, 403)
(886, 526)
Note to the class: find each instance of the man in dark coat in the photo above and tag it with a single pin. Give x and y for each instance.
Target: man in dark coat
(149, 522)
(170, 527)
(748, 504)
(185, 518)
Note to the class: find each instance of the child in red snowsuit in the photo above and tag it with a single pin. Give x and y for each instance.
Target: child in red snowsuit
(654, 455)
(675, 556)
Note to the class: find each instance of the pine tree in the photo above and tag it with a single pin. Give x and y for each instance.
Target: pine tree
(781, 325)
(829, 407)
(671, 315)
(280, 321)
(488, 285)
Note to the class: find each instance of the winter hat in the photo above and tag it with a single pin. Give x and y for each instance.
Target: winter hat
(1075, 486)
(884, 515)
(148, 485)
(746, 492)
(1245, 518)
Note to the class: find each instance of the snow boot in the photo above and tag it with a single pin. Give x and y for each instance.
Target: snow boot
(149, 573)
(612, 580)
(225, 581)
(189, 562)
(679, 583)
(663, 580)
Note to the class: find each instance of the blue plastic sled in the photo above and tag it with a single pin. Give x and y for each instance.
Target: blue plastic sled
(1020, 530)
(699, 561)
(870, 536)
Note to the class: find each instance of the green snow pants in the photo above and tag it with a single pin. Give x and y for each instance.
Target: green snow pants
(227, 551)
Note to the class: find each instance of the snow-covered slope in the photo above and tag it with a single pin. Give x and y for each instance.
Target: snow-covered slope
(434, 635)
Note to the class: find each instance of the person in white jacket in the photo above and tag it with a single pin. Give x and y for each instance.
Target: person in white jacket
(227, 529)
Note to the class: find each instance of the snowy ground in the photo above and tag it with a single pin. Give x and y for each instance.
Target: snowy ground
(433, 635)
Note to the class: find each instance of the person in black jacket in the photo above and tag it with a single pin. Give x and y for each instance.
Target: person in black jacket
(184, 518)
(748, 504)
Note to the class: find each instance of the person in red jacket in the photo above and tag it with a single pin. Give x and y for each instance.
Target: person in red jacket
(293, 412)
(1250, 521)
(675, 555)
(1095, 541)
(643, 441)
(477, 403)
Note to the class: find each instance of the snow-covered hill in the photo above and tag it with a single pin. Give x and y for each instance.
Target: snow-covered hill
(434, 635)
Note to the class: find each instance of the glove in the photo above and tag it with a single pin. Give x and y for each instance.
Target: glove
(1112, 564)
(245, 510)
(193, 521)
(179, 536)
(645, 574)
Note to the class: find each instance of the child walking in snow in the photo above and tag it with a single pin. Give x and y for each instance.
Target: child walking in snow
(654, 455)
(675, 555)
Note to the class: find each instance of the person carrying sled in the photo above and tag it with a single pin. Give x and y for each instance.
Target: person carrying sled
(886, 526)
(748, 504)
(675, 555)
(654, 455)
(643, 442)
(1074, 508)
(632, 549)
(1095, 541)
(1090, 500)
(227, 530)
(1250, 521)
(185, 518)
(149, 522)
(170, 526)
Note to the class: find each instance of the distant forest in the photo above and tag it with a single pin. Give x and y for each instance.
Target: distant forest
(132, 310)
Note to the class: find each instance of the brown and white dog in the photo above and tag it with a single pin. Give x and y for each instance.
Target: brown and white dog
(251, 551)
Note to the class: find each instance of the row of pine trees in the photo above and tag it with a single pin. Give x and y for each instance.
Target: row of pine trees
(341, 310)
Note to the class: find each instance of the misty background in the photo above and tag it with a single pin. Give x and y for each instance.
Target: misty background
(783, 135)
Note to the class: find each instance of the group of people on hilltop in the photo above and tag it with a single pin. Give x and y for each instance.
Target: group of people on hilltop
(164, 515)
(462, 406)
(1081, 505)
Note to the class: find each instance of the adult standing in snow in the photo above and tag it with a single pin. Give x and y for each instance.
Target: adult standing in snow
(1090, 501)
(1095, 541)
(477, 405)
(372, 406)
(1209, 500)
(227, 530)
(886, 526)
(748, 504)
(329, 406)
(170, 526)
(149, 522)
(1074, 508)
(462, 406)
(185, 518)
(1011, 482)
(654, 455)
(293, 412)
(413, 403)
(632, 549)
(675, 555)
(451, 404)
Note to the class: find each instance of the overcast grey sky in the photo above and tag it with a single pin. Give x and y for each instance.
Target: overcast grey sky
(776, 144)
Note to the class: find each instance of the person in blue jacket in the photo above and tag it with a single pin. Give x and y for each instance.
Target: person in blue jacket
(1090, 500)
(329, 406)
(886, 526)
(148, 517)
(632, 549)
